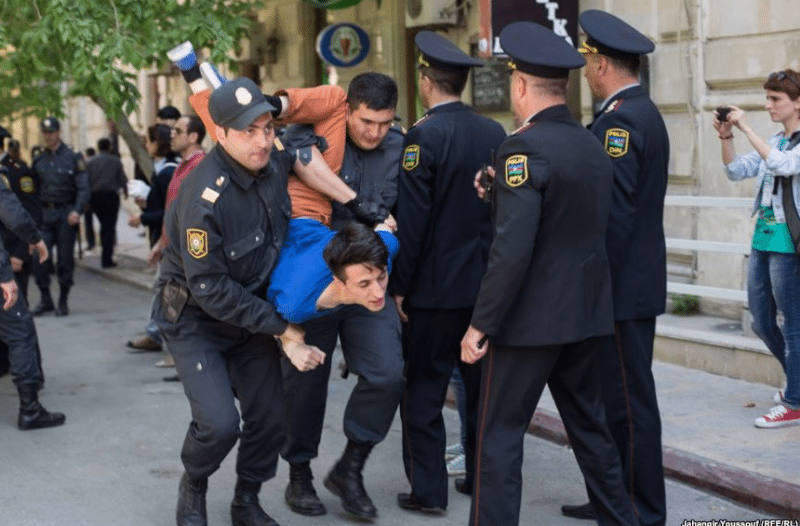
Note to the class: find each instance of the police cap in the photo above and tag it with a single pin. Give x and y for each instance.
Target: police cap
(536, 50)
(50, 124)
(439, 53)
(612, 37)
(237, 104)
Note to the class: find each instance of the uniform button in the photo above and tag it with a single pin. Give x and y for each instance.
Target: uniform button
(202, 285)
(199, 366)
(269, 210)
(233, 253)
(258, 238)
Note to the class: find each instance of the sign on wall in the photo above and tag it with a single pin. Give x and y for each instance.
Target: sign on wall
(559, 15)
(343, 45)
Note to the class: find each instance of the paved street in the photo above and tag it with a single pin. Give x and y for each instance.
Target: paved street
(116, 460)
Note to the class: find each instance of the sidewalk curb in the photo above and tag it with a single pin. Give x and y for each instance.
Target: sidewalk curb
(751, 489)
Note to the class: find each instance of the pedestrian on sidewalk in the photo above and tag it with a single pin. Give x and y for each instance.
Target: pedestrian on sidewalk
(773, 279)
(634, 137)
(106, 179)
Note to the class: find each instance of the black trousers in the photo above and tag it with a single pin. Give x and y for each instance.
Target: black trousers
(432, 348)
(371, 347)
(218, 363)
(57, 232)
(18, 334)
(629, 395)
(21, 278)
(105, 204)
(513, 381)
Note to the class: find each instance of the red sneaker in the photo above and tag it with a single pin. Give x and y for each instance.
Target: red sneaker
(779, 416)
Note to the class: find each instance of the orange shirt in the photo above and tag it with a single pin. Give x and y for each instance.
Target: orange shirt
(326, 108)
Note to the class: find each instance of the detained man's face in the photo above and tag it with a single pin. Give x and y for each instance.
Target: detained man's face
(367, 128)
(250, 147)
(366, 285)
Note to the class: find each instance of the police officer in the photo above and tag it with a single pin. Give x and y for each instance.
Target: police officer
(444, 231)
(64, 194)
(633, 134)
(17, 330)
(25, 185)
(225, 229)
(546, 297)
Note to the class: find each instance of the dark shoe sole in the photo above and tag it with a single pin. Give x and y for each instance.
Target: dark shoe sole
(407, 502)
(585, 511)
(308, 512)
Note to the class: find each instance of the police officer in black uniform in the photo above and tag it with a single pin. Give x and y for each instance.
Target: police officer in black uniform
(226, 228)
(64, 195)
(633, 134)
(25, 185)
(444, 231)
(545, 300)
(17, 330)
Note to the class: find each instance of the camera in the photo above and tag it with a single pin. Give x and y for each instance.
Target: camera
(722, 113)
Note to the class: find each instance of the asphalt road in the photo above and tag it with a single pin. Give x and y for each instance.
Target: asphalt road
(116, 461)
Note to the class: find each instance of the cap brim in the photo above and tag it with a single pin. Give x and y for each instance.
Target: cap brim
(248, 117)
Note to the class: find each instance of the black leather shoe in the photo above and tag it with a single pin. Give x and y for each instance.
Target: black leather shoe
(191, 509)
(31, 413)
(407, 501)
(584, 511)
(245, 509)
(62, 309)
(45, 305)
(300, 494)
(345, 481)
(462, 486)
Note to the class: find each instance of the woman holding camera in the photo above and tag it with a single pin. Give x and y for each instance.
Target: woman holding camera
(773, 281)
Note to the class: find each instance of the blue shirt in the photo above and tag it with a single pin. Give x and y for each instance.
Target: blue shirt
(301, 274)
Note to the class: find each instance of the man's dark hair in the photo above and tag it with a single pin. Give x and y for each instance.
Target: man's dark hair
(355, 244)
(450, 82)
(160, 134)
(195, 125)
(375, 90)
(168, 112)
(627, 62)
(104, 144)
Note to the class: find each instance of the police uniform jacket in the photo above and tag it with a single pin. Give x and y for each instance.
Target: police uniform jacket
(371, 173)
(548, 279)
(63, 178)
(16, 220)
(225, 230)
(25, 186)
(635, 138)
(444, 229)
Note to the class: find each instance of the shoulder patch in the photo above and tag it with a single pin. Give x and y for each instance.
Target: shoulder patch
(210, 195)
(516, 170)
(26, 184)
(410, 157)
(614, 106)
(616, 142)
(197, 242)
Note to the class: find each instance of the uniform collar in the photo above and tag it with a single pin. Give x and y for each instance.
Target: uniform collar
(238, 173)
(446, 107)
(630, 89)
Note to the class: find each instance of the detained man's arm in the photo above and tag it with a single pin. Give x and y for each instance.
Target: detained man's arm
(318, 175)
(303, 356)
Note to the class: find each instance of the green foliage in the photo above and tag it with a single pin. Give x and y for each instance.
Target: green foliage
(685, 304)
(50, 49)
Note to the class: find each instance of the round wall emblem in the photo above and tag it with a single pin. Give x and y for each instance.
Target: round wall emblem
(343, 45)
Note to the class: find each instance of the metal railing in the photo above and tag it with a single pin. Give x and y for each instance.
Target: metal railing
(709, 246)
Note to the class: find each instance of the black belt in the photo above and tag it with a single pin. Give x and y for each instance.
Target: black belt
(54, 206)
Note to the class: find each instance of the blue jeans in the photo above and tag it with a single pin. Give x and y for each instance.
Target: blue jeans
(773, 291)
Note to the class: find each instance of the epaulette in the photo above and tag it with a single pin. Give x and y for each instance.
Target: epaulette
(421, 119)
(614, 106)
(523, 128)
(211, 192)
